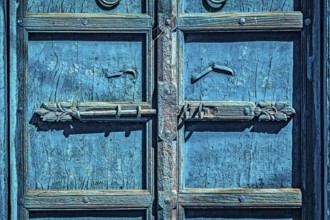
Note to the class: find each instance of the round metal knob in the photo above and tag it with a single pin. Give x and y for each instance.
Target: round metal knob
(109, 3)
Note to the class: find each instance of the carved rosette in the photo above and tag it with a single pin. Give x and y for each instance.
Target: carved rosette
(274, 111)
(57, 112)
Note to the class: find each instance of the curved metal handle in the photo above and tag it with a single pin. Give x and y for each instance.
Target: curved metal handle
(212, 67)
(109, 3)
(216, 3)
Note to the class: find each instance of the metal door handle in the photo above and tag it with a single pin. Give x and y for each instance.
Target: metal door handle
(212, 67)
(217, 1)
(109, 3)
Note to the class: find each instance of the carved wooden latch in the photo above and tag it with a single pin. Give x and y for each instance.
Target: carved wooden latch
(236, 111)
(94, 111)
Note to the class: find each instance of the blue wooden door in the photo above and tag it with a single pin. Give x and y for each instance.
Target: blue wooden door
(142, 109)
(86, 82)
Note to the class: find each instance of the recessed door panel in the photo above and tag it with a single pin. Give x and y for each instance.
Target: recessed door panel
(238, 155)
(86, 67)
(236, 67)
(86, 156)
(83, 6)
(204, 6)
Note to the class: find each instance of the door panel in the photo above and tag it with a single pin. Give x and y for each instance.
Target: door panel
(205, 6)
(238, 155)
(86, 67)
(87, 156)
(262, 67)
(83, 6)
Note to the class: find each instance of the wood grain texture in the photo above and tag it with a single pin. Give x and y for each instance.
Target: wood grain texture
(263, 67)
(87, 156)
(79, 22)
(288, 198)
(202, 6)
(238, 155)
(4, 165)
(252, 21)
(84, 6)
(63, 200)
(75, 67)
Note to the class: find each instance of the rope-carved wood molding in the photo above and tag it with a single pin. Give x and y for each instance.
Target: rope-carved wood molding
(236, 111)
(93, 111)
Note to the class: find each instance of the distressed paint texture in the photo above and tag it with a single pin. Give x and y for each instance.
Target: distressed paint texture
(3, 115)
(83, 6)
(89, 215)
(238, 155)
(263, 68)
(73, 67)
(86, 156)
(202, 6)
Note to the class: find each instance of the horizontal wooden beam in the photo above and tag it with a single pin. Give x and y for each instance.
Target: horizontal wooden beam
(94, 111)
(271, 21)
(272, 198)
(85, 22)
(86, 200)
(236, 111)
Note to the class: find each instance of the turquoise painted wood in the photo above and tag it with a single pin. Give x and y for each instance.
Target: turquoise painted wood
(83, 67)
(263, 67)
(84, 6)
(4, 168)
(86, 156)
(204, 6)
(238, 155)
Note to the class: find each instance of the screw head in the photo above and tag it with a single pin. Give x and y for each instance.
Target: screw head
(84, 21)
(167, 200)
(85, 200)
(242, 21)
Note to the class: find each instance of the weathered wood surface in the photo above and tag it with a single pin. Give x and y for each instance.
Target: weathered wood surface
(290, 21)
(238, 155)
(89, 215)
(246, 214)
(63, 67)
(80, 22)
(87, 200)
(194, 198)
(263, 67)
(84, 6)
(203, 6)
(86, 156)
(4, 165)
(236, 111)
